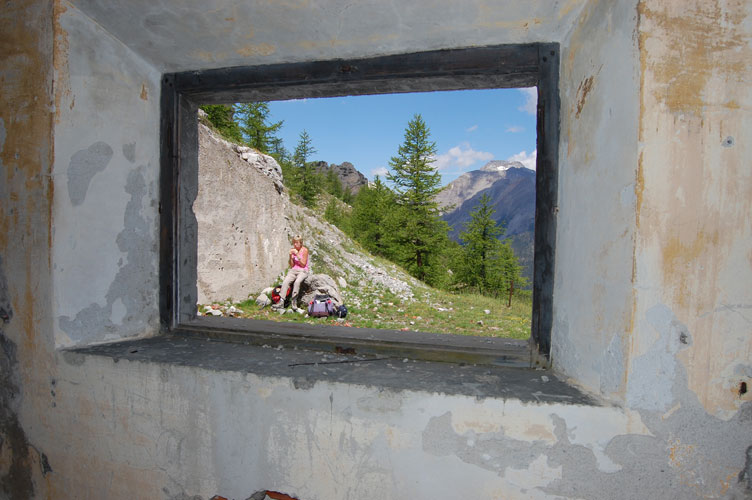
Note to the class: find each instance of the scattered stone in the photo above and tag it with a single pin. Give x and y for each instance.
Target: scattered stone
(480, 323)
(486, 311)
(263, 300)
(214, 312)
(342, 282)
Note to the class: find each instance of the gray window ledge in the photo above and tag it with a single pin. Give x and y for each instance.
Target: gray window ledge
(305, 368)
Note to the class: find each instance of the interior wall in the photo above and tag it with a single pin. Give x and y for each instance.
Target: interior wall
(593, 292)
(693, 262)
(26, 189)
(107, 191)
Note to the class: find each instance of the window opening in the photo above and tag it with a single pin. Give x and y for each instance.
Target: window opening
(479, 153)
(501, 67)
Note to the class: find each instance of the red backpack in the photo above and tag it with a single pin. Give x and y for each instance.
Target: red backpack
(276, 295)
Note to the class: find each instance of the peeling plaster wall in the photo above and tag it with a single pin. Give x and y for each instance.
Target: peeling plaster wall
(176, 430)
(655, 134)
(595, 230)
(105, 259)
(693, 262)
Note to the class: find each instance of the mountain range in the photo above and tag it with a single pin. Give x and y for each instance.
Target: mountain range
(511, 189)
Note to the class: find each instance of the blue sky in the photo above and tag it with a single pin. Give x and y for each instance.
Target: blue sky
(470, 127)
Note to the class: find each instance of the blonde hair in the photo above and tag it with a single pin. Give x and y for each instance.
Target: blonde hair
(297, 238)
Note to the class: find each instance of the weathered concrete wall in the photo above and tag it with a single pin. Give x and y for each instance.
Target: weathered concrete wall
(652, 299)
(218, 34)
(26, 190)
(595, 232)
(105, 259)
(693, 261)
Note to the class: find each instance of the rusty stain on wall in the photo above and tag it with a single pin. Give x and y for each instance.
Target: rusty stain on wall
(704, 40)
(60, 59)
(582, 91)
(261, 49)
(144, 94)
(693, 191)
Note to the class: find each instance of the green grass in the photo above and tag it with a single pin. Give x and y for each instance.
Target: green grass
(431, 311)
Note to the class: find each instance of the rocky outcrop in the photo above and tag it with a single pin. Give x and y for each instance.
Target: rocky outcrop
(245, 223)
(243, 235)
(352, 180)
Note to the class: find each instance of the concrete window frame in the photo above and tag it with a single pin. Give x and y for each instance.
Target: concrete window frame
(501, 66)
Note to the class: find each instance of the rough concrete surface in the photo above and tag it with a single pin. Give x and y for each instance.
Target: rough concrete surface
(651, 300)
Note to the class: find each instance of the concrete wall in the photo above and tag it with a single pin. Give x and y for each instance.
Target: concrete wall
(105, 260)
(652, 296)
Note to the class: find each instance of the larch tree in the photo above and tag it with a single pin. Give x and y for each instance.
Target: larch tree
(415, 229)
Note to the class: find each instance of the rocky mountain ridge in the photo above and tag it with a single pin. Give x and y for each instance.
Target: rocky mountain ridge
(511, 189)
(352, 179)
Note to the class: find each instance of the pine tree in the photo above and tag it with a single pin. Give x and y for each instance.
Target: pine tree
(253, 121)
(481, 238)
(222, 118)
(416, 233)
(333, 184)
(308, 182)
(370, 209)
(486, 263)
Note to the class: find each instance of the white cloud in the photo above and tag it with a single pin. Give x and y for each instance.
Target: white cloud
(531, 101)
(513, 129)
(461, 156)
(472, 129)
(528, 160)
(381, 172)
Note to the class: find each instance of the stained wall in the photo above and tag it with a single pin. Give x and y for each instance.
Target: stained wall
(651, 298)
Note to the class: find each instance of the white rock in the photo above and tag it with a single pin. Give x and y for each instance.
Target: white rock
(215, 312)
(342, 282)
(263, 300)
(487, 311)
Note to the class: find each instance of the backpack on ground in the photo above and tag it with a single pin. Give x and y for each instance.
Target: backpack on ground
(276, 295)
(321, 306)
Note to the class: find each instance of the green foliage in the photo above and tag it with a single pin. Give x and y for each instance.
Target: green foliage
(332, 184)
(253, 120)
(370, 209)
(222, 119)
(416, 236)
(485, 263)
(336, 213)
(307, 183)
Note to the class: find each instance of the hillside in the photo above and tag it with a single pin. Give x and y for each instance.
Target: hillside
(246, 220)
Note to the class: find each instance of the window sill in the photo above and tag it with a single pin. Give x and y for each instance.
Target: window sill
(305, 368)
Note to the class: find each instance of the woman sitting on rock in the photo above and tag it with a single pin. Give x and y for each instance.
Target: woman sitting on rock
(299, 270)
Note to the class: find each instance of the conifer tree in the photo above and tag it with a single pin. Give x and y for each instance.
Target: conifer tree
(222, 118)
(487, 264)
(307, 182)
(253, 120)
(415, 230)
(370, 209)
